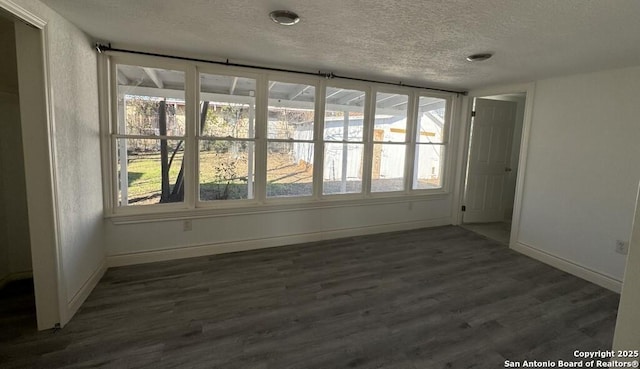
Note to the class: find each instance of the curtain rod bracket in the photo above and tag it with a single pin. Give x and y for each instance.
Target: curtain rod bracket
(327, 75)
(101, 48)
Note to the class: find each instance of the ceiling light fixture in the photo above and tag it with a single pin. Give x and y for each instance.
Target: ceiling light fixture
(479, 57)
(284, 17)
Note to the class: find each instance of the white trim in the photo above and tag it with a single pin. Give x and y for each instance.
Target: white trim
(261, 243)
(522, 163)
(502, 90)
(79, 298)
(36, 89)
(23, 14)
(283, 206)
(411, 126)
(104, 106)
(449, 145)
(568, 266)
(15, 277)
(191, 142)
(318, 140)
(49, 99)
(457, 179)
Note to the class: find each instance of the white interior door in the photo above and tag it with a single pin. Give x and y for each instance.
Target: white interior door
(489, 153)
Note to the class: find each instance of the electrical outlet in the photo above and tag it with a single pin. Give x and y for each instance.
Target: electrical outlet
(622, 247)
(186, 225)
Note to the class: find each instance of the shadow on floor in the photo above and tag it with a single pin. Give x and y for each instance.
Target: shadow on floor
(17, 309)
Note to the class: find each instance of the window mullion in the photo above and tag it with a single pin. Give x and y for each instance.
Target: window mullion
(367, 137)
(113, 128)
(318, 137)
(410, 158)
(121, 148)
(451, 105)
(261, 116)
(192, 92)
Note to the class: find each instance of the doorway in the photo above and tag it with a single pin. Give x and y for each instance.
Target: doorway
(17, 295)
(492, 161)
(34, 106)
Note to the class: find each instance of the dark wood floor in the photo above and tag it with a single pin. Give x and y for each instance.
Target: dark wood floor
(432, 298)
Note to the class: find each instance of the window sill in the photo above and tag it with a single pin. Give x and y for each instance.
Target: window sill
(159, 214)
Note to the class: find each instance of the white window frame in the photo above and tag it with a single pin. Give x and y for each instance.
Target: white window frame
(347, 85)
(446, 142)
(410, 93)
(193, 207)
(114, 135)
(257, 138)
(317, 118)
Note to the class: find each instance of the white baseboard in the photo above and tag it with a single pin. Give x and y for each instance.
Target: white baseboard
(254, 244)
(15, 277)
(570, 267)
(78, 299)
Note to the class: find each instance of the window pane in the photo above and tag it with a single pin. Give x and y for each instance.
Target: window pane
(289, 169)
(291, 111)
(344, 115)
(391, 118)
(226, 170)
(428, 167)
(388, 168)
(150, 101)
(342, 168)
(431, 113)
(227, 106)
(148, 180)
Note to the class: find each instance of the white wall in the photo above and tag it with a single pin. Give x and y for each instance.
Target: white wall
(15, 252)
(582, 171)
(628, 324)
(162, 240)
(73, 72)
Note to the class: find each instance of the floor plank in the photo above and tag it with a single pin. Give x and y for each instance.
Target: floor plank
(431, 298)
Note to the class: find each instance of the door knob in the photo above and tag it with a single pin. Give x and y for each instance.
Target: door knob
(507, 169)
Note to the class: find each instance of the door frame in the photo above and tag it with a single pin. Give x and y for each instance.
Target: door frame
(528, 89)
(40, 164)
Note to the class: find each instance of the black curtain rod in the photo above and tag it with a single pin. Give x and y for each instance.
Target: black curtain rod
(328, 75)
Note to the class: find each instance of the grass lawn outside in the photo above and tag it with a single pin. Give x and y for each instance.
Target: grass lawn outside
(224, 176)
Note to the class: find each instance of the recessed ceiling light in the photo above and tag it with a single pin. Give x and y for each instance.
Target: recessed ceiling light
(479, 57)
(284, 17)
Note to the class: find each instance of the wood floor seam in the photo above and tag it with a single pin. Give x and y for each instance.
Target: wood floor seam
(440, 297)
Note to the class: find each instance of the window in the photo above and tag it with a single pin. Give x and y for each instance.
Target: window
(150, 134)
(343, 135)
(187, 136)
(430, 143)
(226, 138)
(389, 142)
(290, 139)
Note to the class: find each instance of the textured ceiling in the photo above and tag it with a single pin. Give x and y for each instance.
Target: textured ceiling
(413, 41)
